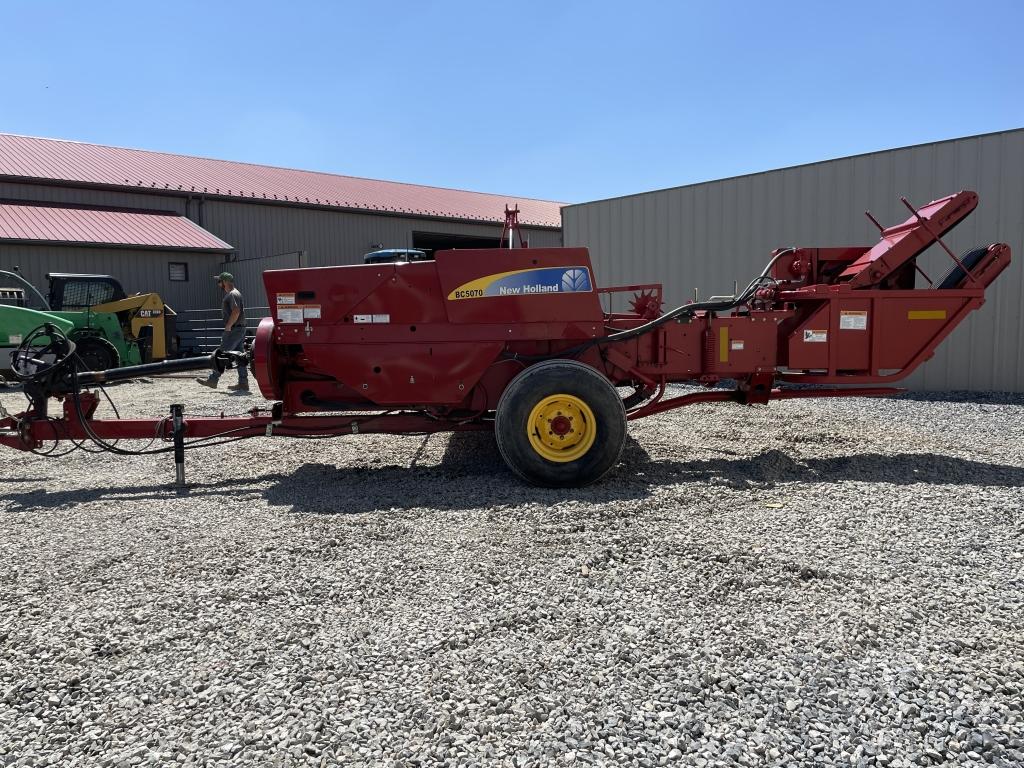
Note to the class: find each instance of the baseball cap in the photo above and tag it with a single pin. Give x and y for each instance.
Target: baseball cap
(224, 277)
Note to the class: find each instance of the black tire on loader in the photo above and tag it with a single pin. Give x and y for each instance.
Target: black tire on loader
(97, 354)
(560, 424)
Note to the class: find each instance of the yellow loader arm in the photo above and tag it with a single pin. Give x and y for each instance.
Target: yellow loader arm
(145, 310)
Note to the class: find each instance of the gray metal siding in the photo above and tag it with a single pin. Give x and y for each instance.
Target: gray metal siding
(139, 271)
(270, 237)
(330, 237)
(708, 235)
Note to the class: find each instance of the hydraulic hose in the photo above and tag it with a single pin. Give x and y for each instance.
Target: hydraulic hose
(687, 310)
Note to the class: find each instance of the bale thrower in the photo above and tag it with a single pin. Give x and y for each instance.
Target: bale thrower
(515, 340)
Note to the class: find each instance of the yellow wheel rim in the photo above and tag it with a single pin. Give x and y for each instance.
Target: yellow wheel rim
(561, 428)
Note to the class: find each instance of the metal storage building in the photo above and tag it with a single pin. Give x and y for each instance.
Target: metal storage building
(43, 238)
(707, 235)
(79, 207)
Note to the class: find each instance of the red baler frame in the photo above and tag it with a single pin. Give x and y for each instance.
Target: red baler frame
(431, 346)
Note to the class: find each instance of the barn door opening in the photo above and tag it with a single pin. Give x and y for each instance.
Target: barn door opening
(441, 241)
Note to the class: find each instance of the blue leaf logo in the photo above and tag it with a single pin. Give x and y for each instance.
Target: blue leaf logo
(575, 280)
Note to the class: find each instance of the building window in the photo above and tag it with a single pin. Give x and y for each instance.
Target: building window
(177, 271)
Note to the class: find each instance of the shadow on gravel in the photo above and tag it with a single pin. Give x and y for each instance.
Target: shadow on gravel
(471, 474)
(43, 499)
(771, 467)
(967, 398)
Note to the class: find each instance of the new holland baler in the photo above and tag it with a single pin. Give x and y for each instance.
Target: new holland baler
(516, 341)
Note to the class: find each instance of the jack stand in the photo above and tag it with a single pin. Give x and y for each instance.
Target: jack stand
(178, 424)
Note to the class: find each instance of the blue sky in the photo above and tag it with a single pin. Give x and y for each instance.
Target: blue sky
(568, 101)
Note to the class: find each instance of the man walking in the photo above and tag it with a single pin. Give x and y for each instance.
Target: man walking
(233, 337)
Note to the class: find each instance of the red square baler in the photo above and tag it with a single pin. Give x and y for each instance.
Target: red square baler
(516, 340)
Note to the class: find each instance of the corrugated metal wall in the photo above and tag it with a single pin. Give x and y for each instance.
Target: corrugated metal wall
(270, 237)
(708, 235)
(139, 271)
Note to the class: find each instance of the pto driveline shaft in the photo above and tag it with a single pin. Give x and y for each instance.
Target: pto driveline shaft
(90, 378)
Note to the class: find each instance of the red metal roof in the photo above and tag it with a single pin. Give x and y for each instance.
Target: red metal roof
(70, 161)
(92, 227)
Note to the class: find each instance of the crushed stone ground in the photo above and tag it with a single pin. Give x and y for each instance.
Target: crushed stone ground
(804, 583)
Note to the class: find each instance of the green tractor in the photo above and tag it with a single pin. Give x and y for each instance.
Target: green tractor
(109, 328)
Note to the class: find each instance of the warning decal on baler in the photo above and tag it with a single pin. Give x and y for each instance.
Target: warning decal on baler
(815, 337)
(526, 282)
(296, 313)
(852, 320)
(286, 298)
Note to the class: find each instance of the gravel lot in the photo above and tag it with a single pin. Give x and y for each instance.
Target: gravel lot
(811, 582)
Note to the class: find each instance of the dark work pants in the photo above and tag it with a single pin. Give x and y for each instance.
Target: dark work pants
(234, 341)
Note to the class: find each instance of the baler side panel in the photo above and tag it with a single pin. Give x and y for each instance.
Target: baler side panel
(403, 373)
(333, 291)
(910, 324)
(521, 285)
(874, 335)
(410, 296)
(738, 346)
(808, 342)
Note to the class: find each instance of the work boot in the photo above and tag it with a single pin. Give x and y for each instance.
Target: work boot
(208, 383)
(239, 387)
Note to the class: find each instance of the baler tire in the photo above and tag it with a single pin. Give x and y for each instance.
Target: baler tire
(546, 382)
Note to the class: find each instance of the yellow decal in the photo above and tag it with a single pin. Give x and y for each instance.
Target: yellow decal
(926, 314)
(474, 289)
(723, 344)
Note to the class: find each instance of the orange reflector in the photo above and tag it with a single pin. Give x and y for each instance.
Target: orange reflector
(926, 314)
